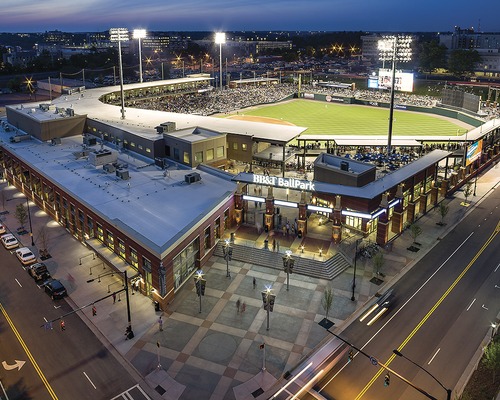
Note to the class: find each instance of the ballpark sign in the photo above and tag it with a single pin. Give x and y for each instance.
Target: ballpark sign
(290, 183)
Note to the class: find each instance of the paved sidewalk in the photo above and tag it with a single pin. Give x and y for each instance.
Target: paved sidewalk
(216, 353)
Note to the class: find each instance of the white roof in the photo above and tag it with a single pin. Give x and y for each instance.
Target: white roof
(158, 210)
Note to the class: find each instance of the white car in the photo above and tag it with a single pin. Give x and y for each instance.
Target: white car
(9, 241)
(25, 256)
(2, 229)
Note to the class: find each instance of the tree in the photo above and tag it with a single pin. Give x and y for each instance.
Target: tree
(415, 232)
(491, 358)
(432, 56)
(327, 300)
(467, 192)
(43, 236)
(443, 211)
(462, 62)
(21, 214)
(378, 262)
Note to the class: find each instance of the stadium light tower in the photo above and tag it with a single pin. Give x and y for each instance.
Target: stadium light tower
(220, 38)
(120, 35)
(394, 48)
(140, 34)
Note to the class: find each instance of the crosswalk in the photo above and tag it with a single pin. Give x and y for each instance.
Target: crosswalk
(134, 393)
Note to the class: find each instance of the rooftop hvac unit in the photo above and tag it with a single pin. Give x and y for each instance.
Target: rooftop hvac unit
(55, 141)
(44, 107)
(70, 112)
(168, 127)
(123, 174)
(109, 168)
(89, 141)
(192, 177)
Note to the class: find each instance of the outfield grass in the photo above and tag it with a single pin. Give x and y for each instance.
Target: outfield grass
(339, 119)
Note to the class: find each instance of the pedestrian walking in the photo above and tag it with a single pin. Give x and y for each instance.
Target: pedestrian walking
(278, 245)
(254, 282)
(94, 311)
(160, 324)
(243, 307)
(114, 296)
(238, 304)
(63, 326)
(274, 244)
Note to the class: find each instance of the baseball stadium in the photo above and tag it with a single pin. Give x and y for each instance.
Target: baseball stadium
(157, 176)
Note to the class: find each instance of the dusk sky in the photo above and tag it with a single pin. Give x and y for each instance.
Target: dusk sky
(260, 15)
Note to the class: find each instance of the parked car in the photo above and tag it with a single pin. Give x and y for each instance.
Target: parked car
(39, 272)
(9, 241)
(2, 229)
(55, 289)
(25, 255)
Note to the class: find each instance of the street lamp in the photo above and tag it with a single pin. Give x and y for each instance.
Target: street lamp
(268, 299)
(288, 263)
(394, 48)
(354, 278)
(200, 284)
(448, 391)
(140, 34)
(29, 219)
(228, 253)
(120, 34)
(220, 38)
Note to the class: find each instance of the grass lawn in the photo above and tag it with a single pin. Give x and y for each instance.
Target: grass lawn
(340, 119)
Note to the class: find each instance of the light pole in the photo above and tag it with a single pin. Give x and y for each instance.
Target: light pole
(140, 34)
(288, 263)
(354, 278)
(268, 299)
(200, 284)
(220, 38)
(394, 48)
(120, 34)
(228, 253)
(29, 219)
(448, 391)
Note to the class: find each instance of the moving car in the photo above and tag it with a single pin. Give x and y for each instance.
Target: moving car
(9, 241)
(2, 229)
(39, 272)
(25, 255)
(55, 289)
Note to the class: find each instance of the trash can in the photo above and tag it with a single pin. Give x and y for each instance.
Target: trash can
(157, 305)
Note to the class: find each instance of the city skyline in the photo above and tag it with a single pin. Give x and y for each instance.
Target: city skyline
(243, 15)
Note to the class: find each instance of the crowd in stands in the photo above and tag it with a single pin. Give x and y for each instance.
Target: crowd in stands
(230, 100)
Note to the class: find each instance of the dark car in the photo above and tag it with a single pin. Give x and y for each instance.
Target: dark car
(39, 272)
(55, 289)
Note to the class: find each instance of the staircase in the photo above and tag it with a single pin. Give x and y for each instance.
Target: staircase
(327, 269)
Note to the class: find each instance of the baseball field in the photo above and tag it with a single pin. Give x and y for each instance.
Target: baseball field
(339, 119)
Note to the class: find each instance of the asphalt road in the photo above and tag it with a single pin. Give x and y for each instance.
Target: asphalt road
(444, 308)
(71, 364)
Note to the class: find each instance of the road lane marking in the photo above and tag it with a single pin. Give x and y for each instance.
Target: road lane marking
(497, 267)
(18, 282)
(435, 354)
(28, 353)
(401, 308)
(470, 305)
(431, 311)
(18, 364)
(484, 307)
(3, 390)
(86, 376)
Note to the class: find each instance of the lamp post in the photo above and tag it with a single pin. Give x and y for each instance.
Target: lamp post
(140, 34)
(228, 253)
(448, 391)
(120, 34)
(220, 38)
(288, 263)
(268, 299)
(354, 278)
(29, 219)
(394, 48)
(200, 284)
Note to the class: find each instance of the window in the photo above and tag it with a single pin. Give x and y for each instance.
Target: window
(146, 264)
(198, 157)
(184, 264)
(140, 147)
(132, 144)
(100, 233)
(235, 146)
(244, 146)
(176, 154)
(220, 152)
(121, 248)
(167, 151)
(134, 261)
(110, 240)
(210, 154)
(148, 150)
(186, 157)
(207, 238)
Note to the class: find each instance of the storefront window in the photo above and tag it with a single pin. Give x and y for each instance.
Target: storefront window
(121, 248)
(134, 261)
(184, 264)
(100, 233)
(354, 222)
